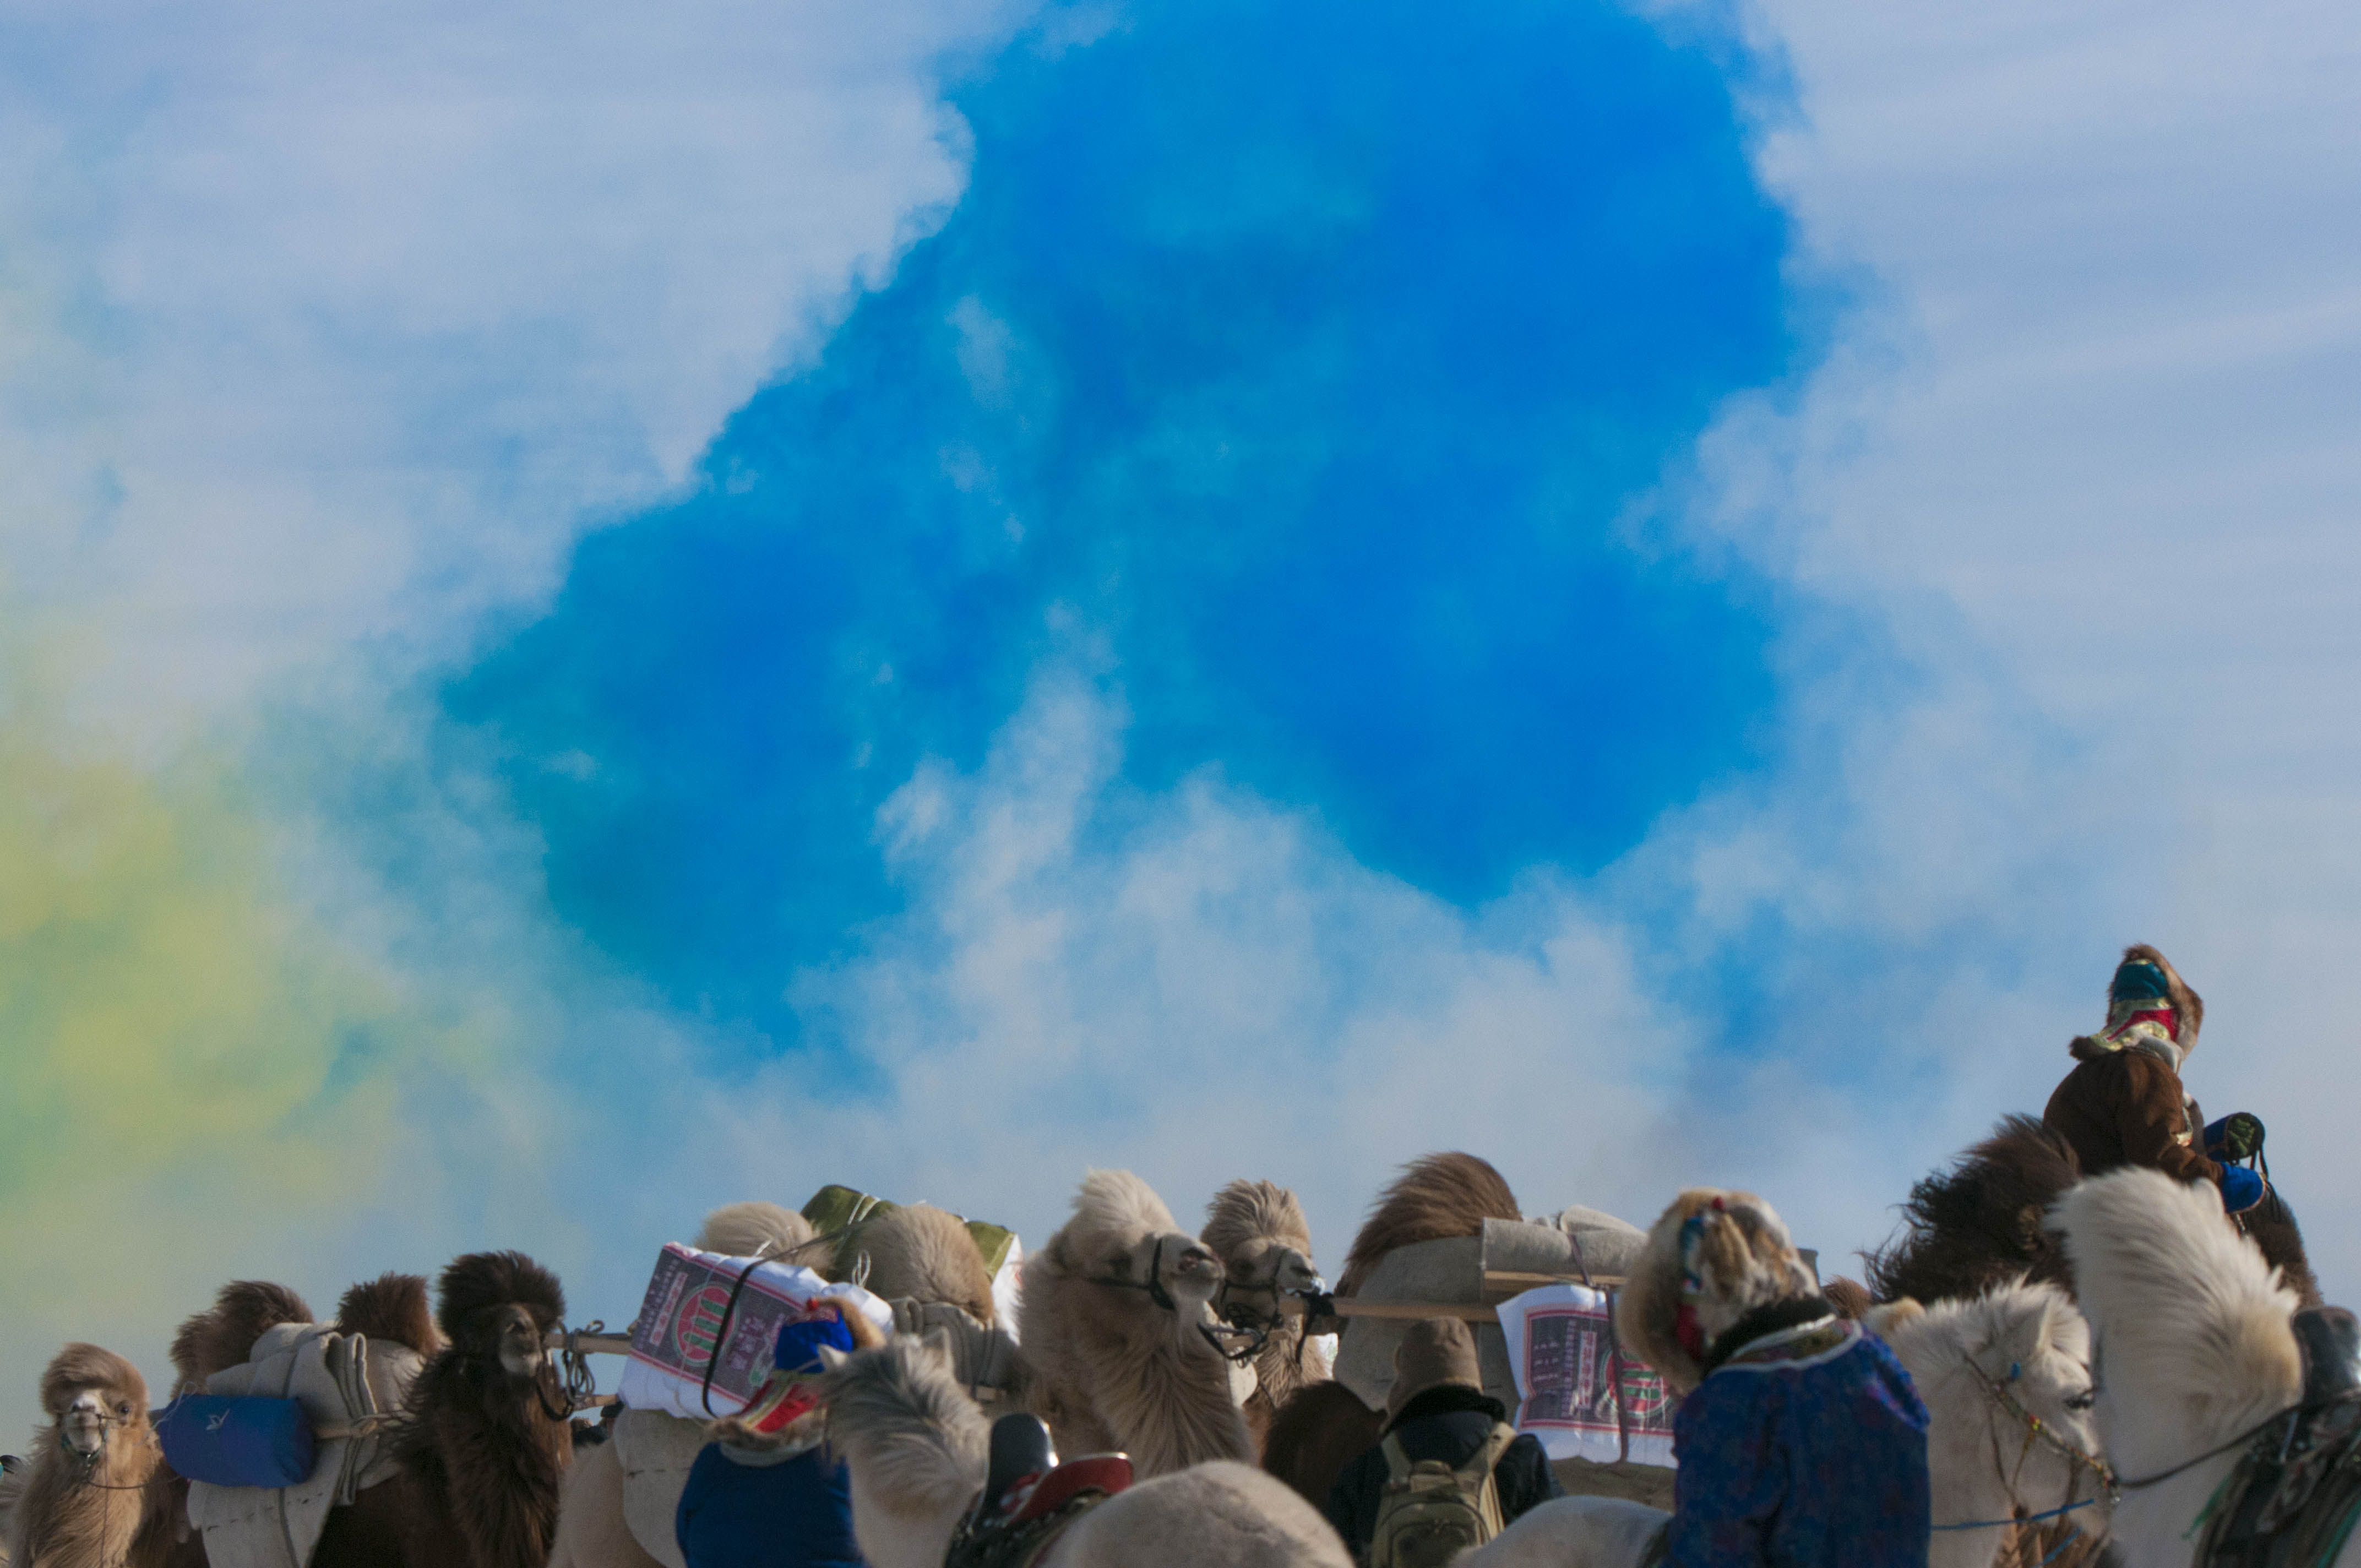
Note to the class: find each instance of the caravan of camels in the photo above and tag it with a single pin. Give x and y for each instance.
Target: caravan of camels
(2091, 1340)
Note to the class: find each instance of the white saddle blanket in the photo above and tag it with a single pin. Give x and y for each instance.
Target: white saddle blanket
(340, 1380)
(656, 1451)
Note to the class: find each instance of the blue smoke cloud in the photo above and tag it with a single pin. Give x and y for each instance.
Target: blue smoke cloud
(1290, 370)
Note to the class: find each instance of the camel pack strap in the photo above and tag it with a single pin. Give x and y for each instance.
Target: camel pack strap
(235, 1440)
(1430, 1512)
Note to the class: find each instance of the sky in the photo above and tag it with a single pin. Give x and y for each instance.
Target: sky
(601, 616)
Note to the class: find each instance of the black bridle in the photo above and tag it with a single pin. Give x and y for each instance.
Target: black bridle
(1214, 1335)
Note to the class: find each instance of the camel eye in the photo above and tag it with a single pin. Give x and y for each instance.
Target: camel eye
(2083, 1400)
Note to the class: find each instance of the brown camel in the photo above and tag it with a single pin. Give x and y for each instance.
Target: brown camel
(1259, 1230)
(97, 1494)
(488, 1434)
(1318, 1432)
(1326, 1425)
(1116, 1323)
(485, 1435)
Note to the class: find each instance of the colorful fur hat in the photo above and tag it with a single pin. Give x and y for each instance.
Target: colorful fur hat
(1711, 1258)
(2146, 982)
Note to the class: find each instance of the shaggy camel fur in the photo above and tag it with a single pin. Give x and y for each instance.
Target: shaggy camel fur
(393, 1307)
(916, 1446)
(1114, 1366)
(2028, 1341)
(223, 1335)
(1259, 1230)
(920, 1252)
(487, 1439)
(1980, 1223)
(1318, 1432)
(98, 1494)
(377, 1531)
(1436, 1196)
(756, 1228)
(2197, 1346)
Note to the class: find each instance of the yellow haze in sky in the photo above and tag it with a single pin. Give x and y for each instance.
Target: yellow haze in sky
(184, 1061)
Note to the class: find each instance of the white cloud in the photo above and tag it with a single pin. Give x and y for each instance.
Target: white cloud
(2106, 437)
(330, 326)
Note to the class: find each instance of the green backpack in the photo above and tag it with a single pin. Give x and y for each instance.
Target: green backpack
(1430, 1512)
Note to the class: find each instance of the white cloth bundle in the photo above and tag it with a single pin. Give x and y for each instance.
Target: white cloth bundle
(1575, 1391)
(698, 1317)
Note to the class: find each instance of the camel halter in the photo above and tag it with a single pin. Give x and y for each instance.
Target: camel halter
(1213, 1334)
(2036, 1431)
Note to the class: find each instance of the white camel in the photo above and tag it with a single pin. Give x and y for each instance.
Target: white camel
(916, 1446)
(1988, 1368)
(2196, 1349)
(2007, 1380)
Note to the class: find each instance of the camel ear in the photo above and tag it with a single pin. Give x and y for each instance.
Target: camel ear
(830, 1357)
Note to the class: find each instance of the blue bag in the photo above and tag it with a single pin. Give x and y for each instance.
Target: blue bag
(237, 1440)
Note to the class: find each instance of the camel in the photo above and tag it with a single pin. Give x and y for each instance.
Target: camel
(1117, 1327)
(97, 1494)
(484, 1436)
(488, 1440)
(2198, 1348)
(1324, 1425)
(917, 1448)
(1980, 1221)
(1988, 1368)
(1315, 1434)
(1259, 1230)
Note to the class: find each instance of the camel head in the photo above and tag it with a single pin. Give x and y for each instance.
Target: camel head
(93, 1396)
(1257, 1230)
(1990, 1367)
(1123, 1235)
(1173, 1266)
(497, 1309)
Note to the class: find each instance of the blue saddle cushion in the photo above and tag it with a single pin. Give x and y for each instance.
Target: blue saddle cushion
(237, 1440)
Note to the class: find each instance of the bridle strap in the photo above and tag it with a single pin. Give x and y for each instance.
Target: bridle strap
(1155, 1286)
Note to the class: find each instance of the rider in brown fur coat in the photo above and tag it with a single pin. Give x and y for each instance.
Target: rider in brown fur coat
(2124, 1103)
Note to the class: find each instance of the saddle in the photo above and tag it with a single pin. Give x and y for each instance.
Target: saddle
(2296, 1493)
(1028, 1499)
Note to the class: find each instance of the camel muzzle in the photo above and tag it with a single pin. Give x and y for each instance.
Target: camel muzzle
(81, 1431)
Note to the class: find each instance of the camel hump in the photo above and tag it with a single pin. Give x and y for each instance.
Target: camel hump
(391, 1309)
(223, 1335)
(1437, 1196)
(920, 1252)
(756, 1228)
